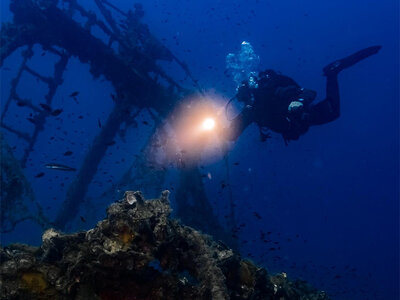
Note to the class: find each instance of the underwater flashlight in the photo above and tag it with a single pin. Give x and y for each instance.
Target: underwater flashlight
(208, 124)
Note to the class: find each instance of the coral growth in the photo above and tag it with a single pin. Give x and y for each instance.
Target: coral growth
(34, 281)
(137, 252)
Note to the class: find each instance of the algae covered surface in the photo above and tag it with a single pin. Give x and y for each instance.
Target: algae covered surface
(138, 252)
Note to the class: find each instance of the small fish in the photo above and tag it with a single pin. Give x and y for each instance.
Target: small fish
(33, 121)
(45, 107)
(21, 103)
(257, 215)
(82, 219)
(99, 123)
(60, 167)
(74, 94)
(41, 174)
(236, 163)
(68, 153)
(56, 112)
(145, 123)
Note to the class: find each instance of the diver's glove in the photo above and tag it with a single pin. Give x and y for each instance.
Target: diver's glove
(295, 107)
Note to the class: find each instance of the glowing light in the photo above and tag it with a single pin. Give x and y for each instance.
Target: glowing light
(208, 124)
(196, 130)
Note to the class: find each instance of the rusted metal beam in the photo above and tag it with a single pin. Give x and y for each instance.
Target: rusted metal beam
(52, 83)
(97, 150)
(27, 54)
(23, 135)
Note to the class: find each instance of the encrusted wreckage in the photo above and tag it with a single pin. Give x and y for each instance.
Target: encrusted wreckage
(138, 252)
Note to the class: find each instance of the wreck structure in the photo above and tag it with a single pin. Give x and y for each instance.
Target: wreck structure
(127, 58)
(138, 252)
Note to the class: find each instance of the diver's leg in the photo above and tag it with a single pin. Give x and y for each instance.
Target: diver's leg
(338, 65)
(327, 110)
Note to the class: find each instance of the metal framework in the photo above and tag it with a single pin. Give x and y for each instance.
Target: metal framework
(40, 113)
(128, 59)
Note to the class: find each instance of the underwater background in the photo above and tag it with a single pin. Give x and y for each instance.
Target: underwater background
(329, 201)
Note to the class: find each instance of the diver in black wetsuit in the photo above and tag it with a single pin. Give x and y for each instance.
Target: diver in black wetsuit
(278, 103)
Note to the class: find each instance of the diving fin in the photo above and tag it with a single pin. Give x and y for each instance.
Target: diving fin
(335, 67)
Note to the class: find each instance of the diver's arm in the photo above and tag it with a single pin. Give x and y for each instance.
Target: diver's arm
(240, 123)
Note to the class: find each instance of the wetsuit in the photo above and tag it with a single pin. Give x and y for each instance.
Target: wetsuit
(278, 103)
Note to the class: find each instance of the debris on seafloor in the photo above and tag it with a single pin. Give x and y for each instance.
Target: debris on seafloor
(137, 252)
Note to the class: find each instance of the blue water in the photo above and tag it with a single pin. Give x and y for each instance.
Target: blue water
(330, 200)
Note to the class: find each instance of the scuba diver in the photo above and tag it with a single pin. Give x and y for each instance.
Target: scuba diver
(276, 102)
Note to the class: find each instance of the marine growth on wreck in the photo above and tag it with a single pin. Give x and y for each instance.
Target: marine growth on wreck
(101, 111)
(138, 252)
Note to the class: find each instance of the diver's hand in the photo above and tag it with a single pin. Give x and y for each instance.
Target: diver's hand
(295, 106)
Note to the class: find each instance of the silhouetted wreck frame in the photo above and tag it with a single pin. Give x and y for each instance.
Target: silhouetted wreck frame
(42, 22)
